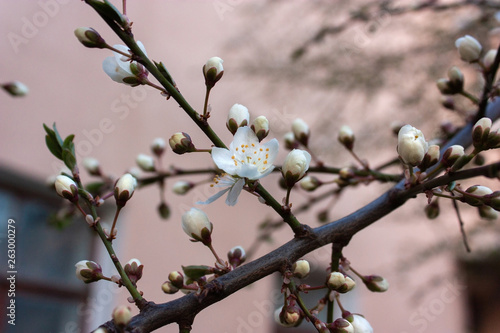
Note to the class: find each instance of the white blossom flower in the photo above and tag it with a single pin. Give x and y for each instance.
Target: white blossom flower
(118, 67)
(411, 145)
(246, 158)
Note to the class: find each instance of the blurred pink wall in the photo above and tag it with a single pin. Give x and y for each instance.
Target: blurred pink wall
(68, 86)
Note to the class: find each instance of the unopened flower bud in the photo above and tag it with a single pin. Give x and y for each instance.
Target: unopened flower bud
(158, 146)
(468, 48)
(478, 191)
(335, 280)
(481, 132)
(376, 283)
(236, 256)
(145, 162)
(124, 189)
(412, 146)
(177, 279)
(90, 38)
(288, 316)
(346, 137)
(444, 86)
(310, 183)
(195, 224)
(163, 210)
(181, 143)
(301, 269)
(448, 103)
(489, 59)
(182, 187)
(169, 288)
(301, 131)
(341, 325)
(133, 268)
(213, 71)
(66, 188)
(290, 141)
(295, 166)
(261, 127)
(452, 154)
(88, 271)
(361, 325)
(432, 210)
(487, 213)
(456, 83)
(92, 166)
(238, 117)
(15, 88)
(122, 315)
(430, 158)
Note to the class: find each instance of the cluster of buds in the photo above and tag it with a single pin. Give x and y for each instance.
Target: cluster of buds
(174, 283)
(454, 84)
(483, 138)
(340, 282)
(196, 225)
(181, 143)
(295, 166)
(88, 271)
(133, 269)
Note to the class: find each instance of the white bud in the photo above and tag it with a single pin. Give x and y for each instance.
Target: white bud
(145, 162)
(261, 127)
(301, 131)
(66, 187)
(238, 117)
(195, 224)
(361, 325)
(411, 145)
(290, 142)
(122, 315)
(158, 146)
(91, 165)
(489, 58)
(181, 143)
(295, 166)
(88, 271)
(124, 188)
(169, 288)
(452, 154)
(468, 48)
(346, 136)
(237, 255)
(214, 62)
(89, 37)
(182, 187)
(301, 269)
(310, 183)
(134, 261)
(335, 280)
(16, 88)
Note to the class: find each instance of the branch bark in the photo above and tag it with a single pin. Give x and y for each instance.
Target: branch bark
(340, 232)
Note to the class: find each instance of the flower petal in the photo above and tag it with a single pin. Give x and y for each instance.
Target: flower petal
(234, 192)
(213, 197)
(222, 158)
(114, 71)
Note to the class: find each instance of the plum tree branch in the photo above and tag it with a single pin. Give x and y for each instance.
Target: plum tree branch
(184, 309)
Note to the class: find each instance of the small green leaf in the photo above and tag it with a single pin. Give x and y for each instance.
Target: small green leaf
(53, 146)
(95, 188)
(195, 272)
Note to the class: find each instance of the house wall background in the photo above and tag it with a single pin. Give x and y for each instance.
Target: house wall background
(114, 123)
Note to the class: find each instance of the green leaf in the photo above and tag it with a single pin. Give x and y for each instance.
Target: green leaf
(195, 272)
(58, 137)
(68, 152)
(163, 70)
(52, 142)
(108, 11)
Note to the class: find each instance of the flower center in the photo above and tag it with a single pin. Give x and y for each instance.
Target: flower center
(251, 154)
